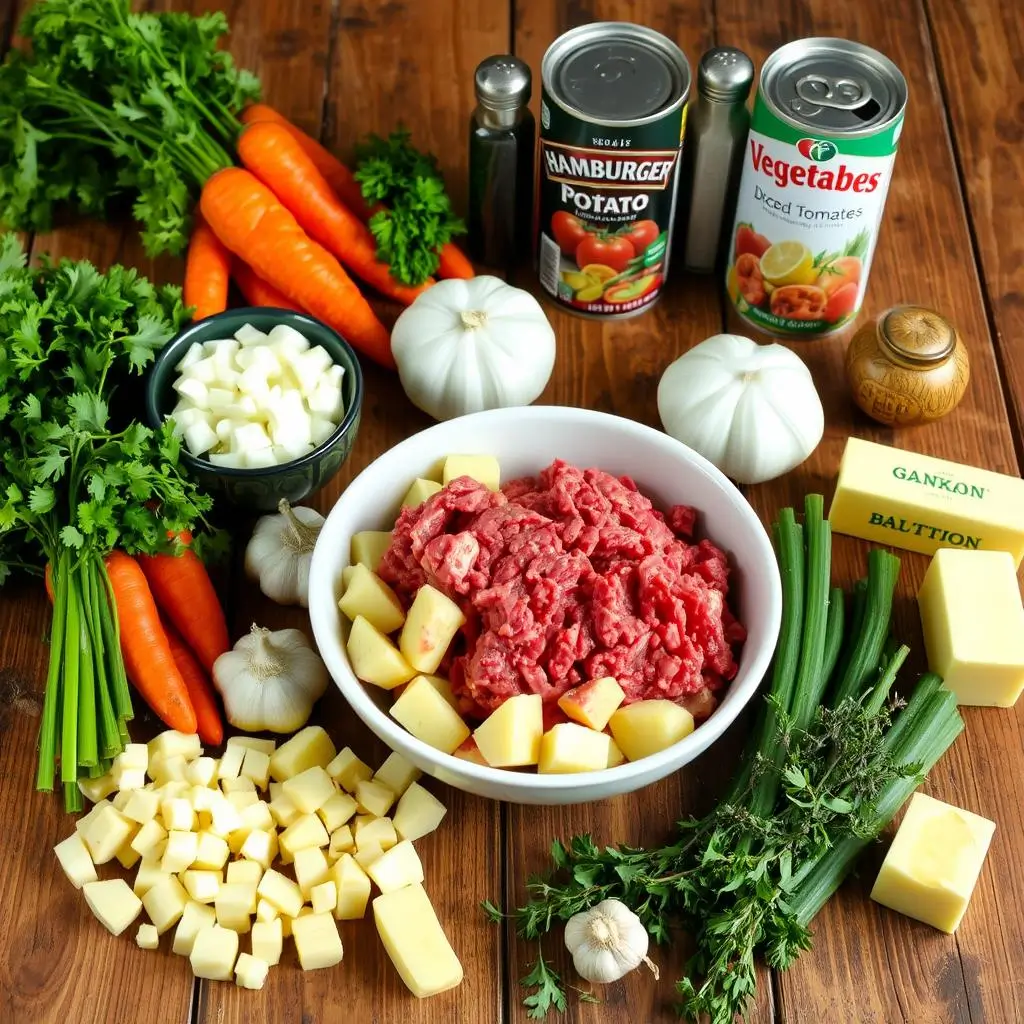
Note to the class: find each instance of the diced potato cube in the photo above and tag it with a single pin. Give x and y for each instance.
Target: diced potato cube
(615, 754)
(266, 911)
(253, 743)
(113, 903)
(142, 806)
(239, 784)
(202, 771)
(374, 797)
(415, 941)
(592, 703)
(283, 809)
(149, 873)
(338, 809)
(510, 736)
(120, 799)
(368, 547)
(75, 860)
(82, 824)
(212, 851)
(317, 941)
(310, 790)
(243, 798)
(306, 831)
(180, 852)
(202, 799)
(431, 623)
(311, 868)
(443, 687)
(147, 937)
(175, 744)
(361, 821)
(178, 815)
(107, 831)
(366, 594)
(194, 917)
(244, 872)
(341, 842)
(231, 763)
(165, 902)
(174, 789)
(397, 867)
(257, 816)
(375, 659)
(469, 751)
(644, 728)
(168, 769)
(380, 831)
(94, 790)
(418, 813)
(214, 952)
(134, 755)
(256, 766)
(568, 747)
(419, 491)
(234, 904)
(282, 892)
(308, 747)
(397, 773)
(324, 897)
(261, 847)
(365, 855)
(429, 717)
(267, 941)
(127, 856)
(353, 886)
(348, 771)
(250, 971)
(224, 817)
(201, 885)
(129, 779)
(482, 468)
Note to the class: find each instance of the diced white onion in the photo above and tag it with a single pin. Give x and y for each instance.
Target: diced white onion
(200, 438)
(247, 335)
(193, 355)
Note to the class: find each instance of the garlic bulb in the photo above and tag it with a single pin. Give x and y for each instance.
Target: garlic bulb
(280, 550)
(607, 942)
(270, 681)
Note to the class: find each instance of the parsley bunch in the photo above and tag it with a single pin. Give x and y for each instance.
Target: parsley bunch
(417, 219)
(106, 106)
(80, 476)
(831, 760)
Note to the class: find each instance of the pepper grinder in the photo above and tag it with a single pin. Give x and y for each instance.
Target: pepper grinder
(501, 153)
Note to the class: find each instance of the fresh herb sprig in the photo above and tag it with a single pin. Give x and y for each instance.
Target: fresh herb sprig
(834, 756)
(417, 219)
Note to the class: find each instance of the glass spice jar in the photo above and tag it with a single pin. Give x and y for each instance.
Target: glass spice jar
(907, 367)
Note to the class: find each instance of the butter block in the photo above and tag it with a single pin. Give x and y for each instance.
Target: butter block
(921, 503)
(415, 941)
(934, 862)
(973, 622)
(317, 941)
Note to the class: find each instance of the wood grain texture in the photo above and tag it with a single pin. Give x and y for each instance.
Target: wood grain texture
(906, 971)
(979, 50)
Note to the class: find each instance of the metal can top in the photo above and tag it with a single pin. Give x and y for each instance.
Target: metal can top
(503, 82)
(836, 86)
(617, 72)
(725, 74)
(916, 335)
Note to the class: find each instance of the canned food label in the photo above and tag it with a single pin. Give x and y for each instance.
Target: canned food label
(807, 217)
(607, 195)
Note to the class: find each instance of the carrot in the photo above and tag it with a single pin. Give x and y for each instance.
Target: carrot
(248, 218)
(206, 272)
(147, 655)
(255, 290)
(345, 186)
(200, 689)
(271, 152)
(184, 593)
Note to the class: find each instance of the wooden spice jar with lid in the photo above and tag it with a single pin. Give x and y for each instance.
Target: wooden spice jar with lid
(907, 367)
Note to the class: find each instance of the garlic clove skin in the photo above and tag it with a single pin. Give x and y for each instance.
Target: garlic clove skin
(607, 942)
(280, 551)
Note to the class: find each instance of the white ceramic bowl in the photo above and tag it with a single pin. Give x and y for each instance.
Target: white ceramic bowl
(525, 440)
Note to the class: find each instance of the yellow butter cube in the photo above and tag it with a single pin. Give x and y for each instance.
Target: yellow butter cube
(311, 868)
(934, 862)
(250, 971)
(75, 860)
(366, 594)
(510, 736)
(171, 743)
(353, 888)
(308, 830)
(256, 767)
(348, 770)
(194, 917)
(147, 937)
(253, 743)
(419, 491)
(418, 813)
(180, 852)
(396, 867)
(482, 468)
(113, 903)
(310, 790)
(283, 810)
(374, 797)
(308, 747)
(324, 897)
(649, 726)
(432, 622)
(281, 891)
(429, 717)
(230, 763)
(368, 547)
(397, 773)
(592, 703)
(366, 854)
(380, 831)
(415, 941)
(973, 622)
(165, 902)
(375, 659)
(212, 852)
(107, 831)
(568, 747)
(202, 771)
(317, 941)
(201, 885)
(267, 941)
(235, 903)
(214, 952)
(336, 811)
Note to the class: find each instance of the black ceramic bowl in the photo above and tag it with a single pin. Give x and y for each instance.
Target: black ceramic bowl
(262, 489)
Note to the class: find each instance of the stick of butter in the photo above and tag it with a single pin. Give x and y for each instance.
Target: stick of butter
(920, 503)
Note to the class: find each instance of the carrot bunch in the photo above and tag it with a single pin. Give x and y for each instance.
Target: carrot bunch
(290, 227)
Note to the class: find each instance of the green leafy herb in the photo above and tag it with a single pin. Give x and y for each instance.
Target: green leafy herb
(546, 989)
(80, 476)
(108, 107)
(493, 913)
(418, 219)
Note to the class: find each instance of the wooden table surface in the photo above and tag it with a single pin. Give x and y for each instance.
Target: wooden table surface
(952, 239)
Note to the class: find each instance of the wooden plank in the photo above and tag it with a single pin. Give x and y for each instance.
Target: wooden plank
(388, 65)
(615, 367)
(978, 48)
(896, 969)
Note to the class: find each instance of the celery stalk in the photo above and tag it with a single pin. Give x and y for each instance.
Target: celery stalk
(835, 625)
(72, 650)
(52, 698)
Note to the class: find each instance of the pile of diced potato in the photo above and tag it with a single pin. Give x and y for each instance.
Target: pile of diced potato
(269, 841)
(602, 734)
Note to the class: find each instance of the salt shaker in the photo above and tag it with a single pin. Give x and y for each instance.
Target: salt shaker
(716, 132)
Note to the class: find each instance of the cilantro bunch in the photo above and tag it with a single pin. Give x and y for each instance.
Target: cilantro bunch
(106, 107)
(80, 476)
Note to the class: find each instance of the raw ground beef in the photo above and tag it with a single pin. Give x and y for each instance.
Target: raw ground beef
(568, 577)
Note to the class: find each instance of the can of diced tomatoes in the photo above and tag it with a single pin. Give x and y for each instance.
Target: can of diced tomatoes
(613, 104)
(826, 123)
